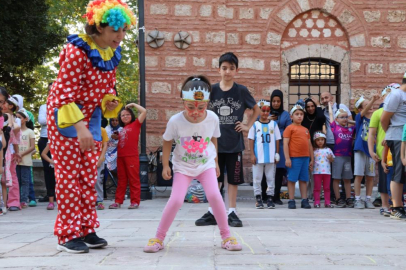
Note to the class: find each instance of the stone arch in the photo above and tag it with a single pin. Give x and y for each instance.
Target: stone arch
(347, 18)
(345, 14)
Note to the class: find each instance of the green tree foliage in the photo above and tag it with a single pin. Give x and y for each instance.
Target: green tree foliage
(64, 17)
(26, 37)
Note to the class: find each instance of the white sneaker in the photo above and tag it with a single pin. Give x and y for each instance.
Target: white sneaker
(4, 210)
(359, 204)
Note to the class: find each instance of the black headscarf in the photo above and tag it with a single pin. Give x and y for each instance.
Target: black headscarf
(277, 93)
(311, 116)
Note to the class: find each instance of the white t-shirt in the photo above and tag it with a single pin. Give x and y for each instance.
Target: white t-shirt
(396, 103)
(194, 152)
(24, 145)
(265, 136)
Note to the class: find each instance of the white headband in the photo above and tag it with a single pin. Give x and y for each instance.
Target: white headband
(23, 111)
(359, 102)
(263, 102)
(13, 100)
(340, 111)
(319, 135)
(295, 108)
(196, 94)
(388, 89)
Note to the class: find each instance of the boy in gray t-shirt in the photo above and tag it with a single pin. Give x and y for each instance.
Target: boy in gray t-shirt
(392, 121)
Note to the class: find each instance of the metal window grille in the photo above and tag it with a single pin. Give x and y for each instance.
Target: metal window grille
(313, 76)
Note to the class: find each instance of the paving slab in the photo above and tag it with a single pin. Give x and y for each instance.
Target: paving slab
(272, 239)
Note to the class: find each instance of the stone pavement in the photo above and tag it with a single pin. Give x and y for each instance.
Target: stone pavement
(272, 239)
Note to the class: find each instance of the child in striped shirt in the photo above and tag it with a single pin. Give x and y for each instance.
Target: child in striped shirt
(264, 138)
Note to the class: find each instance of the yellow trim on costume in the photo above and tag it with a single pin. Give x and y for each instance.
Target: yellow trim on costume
(106, 54)
(113, 113)
(68, 115)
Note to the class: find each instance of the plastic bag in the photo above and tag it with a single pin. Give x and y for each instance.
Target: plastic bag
(195, 193)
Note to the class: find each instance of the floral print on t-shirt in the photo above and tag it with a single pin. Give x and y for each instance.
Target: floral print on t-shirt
(321, 163)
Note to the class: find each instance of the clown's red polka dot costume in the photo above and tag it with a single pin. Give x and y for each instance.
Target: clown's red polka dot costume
(85, 81)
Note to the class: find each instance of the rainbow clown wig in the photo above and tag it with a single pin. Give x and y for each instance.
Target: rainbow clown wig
(115, 13)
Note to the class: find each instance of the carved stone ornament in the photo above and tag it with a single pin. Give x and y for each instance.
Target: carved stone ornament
(182, 40)
(155, 39)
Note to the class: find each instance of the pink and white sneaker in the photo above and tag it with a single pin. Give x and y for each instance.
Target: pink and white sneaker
(231, 244)
(154, 245)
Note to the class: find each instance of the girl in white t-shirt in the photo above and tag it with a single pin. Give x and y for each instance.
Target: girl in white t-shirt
(26, 146)
(195, 131)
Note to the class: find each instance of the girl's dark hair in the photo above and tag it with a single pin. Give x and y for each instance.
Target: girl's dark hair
(92, 30)
(195, 82)
(131, 113)
(3, 92)
(314, 141)
(230, 58)
(11, 103)
(29, 123)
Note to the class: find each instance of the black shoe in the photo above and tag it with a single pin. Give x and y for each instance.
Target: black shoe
(233, 220)
(44, 199)
(74, 246)
(292, 204)
(350, 202)
(341, 203)
(398, 213)
(206, 220)
(259, 204)
(93, 241)
(305, 204)
(278, 202)
(270, 204)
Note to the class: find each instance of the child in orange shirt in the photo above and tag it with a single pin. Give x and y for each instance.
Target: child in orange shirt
(298, 151)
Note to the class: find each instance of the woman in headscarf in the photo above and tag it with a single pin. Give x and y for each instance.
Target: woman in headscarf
(314, 119)
(282, 118)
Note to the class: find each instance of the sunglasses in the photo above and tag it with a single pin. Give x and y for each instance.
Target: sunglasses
(343, 117)
(266, 111)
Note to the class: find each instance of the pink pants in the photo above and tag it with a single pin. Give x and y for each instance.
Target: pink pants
(318, 179)
(14, 190)
(180, 185)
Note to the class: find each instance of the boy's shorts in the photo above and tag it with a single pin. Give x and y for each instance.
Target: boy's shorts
(363, 165)
(342, 168)
(232, 162)
(382, 183)
(299, 169)
(398, 168)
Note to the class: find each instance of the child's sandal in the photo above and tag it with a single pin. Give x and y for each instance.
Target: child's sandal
(114, 206)
(154, 245)
(231, 244)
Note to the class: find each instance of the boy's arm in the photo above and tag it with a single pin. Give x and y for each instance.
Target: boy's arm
(142, 112)
(311, 155)
(44, 155)
(253, 158)
(214, 141)
(166, 151)
(288, 162)
(102, 154)
(385, 157)
(371, 143)
(385, 119)
(330, 112)
(402, 153)
(370, 104)
(240, 127)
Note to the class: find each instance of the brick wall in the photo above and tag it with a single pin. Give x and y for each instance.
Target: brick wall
(372, 32)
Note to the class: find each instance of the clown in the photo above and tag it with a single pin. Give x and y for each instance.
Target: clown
(81, 94)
